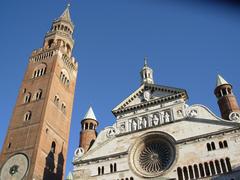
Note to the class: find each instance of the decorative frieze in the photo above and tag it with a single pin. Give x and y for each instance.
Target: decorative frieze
(146, 121)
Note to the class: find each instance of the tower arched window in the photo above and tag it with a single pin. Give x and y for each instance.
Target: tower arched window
(27, 116)
(64, 77)
(53, 147)
(224, 91)
(63, 108)
(27, 97)
(50, 42)
(56, 100)
(68, 49)
(229, 90)
(40, 70)
(91, 126)
(38, 94)
(86, 126)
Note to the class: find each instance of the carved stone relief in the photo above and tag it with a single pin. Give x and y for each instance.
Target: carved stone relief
(149, 120)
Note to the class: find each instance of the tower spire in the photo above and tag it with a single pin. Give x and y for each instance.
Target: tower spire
(60, 34)
(66, 14)
(146, 73)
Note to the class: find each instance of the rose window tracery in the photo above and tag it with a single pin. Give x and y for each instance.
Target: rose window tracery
(152, 154)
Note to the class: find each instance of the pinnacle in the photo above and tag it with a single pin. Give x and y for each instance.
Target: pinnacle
(220, 81)
(90, 114)
(145, 61)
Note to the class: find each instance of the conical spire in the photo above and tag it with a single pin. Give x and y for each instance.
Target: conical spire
(90, 114)
(66, 14)
(220, 81)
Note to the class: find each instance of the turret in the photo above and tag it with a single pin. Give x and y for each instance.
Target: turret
(146, 73)
(227, 102)
(88, 133)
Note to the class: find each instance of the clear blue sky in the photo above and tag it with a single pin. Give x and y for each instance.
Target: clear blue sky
(188, 43)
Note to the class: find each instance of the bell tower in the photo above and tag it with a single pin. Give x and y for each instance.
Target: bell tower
(36, 143)
(227, 101)
(88, 133)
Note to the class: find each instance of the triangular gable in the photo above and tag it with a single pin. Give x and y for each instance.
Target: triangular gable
(157, 92)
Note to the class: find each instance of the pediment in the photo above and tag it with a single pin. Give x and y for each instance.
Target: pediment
(150, 94)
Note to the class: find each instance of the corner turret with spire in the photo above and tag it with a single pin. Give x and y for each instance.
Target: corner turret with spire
(227, 101)
(88, 133)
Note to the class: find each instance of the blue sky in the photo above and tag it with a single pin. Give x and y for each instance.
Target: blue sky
(188, 43)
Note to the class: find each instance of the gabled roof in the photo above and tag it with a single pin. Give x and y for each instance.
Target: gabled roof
(159, 94)
(220, 81)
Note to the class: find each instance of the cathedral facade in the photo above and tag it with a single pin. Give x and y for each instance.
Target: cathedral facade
(157, 135)
(35, 147)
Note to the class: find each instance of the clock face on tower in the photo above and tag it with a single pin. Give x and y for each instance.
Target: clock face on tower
(15, 168)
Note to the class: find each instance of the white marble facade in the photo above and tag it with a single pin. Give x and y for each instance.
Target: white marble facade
(158, 136)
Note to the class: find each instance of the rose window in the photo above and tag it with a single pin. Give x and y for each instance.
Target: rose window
(152, 154)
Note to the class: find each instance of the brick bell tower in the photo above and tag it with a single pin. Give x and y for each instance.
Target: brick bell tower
(227, 101)
(88, 133)
(36, 143)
